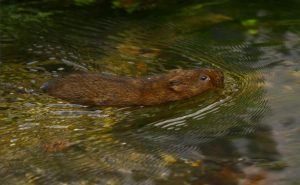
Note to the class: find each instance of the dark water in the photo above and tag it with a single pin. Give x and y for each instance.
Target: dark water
(247, 133)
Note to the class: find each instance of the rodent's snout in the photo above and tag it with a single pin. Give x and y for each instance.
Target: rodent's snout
(218, 80)
(217, 77)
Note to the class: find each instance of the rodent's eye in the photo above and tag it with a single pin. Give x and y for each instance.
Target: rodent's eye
(204, 77)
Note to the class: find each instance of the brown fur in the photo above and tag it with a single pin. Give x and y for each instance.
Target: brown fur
(99, 89)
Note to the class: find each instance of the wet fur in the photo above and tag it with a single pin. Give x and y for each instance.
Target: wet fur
(99, 89)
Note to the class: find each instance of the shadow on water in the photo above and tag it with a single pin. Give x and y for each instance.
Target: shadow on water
(224, 137)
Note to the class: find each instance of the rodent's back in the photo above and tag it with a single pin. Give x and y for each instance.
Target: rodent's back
(95, 89)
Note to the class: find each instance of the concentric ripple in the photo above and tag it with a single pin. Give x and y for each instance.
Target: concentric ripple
(52, 141)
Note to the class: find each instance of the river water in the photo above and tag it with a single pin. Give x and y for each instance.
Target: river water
(247, 133)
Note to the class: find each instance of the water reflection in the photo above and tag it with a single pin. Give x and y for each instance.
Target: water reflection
(245, 134)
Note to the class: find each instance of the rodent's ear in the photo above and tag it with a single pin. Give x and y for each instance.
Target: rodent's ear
(176, 85)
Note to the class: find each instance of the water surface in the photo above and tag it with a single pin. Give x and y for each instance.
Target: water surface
(247, 133)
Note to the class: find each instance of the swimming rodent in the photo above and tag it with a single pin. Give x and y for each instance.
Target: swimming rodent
(110, 90)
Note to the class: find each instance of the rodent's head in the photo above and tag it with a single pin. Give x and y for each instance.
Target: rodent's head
(187, 83)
